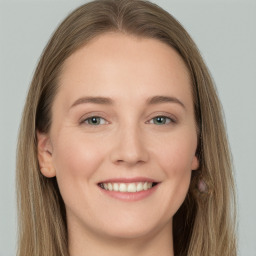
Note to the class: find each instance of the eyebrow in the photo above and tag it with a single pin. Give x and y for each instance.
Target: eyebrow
(95, 100)
(108, 101)
(164, 99)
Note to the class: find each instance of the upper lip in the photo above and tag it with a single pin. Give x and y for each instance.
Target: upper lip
(129, 180)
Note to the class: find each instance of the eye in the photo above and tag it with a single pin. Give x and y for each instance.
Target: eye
(94, 120)
(161, 120)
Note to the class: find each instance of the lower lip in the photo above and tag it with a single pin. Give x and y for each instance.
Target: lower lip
(130, 196)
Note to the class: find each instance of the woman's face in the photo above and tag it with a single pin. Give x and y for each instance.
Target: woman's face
(122, 121)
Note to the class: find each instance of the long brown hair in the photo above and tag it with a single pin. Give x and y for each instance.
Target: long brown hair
(205, 224)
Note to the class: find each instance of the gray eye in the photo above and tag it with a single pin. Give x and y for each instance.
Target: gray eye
(160, 120)
(95, 120)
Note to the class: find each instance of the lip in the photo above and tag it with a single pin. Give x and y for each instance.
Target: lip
(129, 180)
(129, 196)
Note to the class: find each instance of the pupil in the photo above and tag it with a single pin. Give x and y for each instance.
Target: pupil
(160, 120)
(94, 120)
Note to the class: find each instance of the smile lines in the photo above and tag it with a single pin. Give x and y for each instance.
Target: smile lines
(127, 187)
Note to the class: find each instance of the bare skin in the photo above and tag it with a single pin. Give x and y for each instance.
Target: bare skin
(124, 110)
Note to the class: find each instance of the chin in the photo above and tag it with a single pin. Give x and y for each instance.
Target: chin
(129, 233)
(131, 228)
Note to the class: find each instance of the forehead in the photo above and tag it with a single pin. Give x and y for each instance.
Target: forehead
(121, 65)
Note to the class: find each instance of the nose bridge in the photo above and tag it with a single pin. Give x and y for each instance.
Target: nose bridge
(130, 147)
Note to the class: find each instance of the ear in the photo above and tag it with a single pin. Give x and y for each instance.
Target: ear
(195, 163)
(44, 154)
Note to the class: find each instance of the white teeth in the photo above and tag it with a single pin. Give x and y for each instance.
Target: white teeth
(127, 187)
(131, 187)
(122, 187)
(110, 187)
(145, 186)
(139, 187)
(115, 187)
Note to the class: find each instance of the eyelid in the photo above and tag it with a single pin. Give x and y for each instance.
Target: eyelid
(87, 120)
(161, 123)
(171, 121)
(161, 114)
(103, 116)
(92, 114)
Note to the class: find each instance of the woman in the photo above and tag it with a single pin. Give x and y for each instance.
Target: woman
(122, 148)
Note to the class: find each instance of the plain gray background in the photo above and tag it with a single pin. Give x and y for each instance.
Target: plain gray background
(225, 32)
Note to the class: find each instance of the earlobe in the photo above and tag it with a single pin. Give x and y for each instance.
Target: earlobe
(44, 155)
(195, 163)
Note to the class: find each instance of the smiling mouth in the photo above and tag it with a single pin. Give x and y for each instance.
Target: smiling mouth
(127, 187)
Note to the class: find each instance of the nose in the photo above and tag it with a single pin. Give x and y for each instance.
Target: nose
(129, 147)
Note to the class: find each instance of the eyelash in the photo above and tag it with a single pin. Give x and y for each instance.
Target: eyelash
(151, 121)
(171, 120)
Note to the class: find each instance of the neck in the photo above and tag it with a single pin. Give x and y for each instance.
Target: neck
(87, 243)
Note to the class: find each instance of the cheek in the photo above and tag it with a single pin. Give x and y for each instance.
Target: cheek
(176, 155)
(175, 159)
(75, 160)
